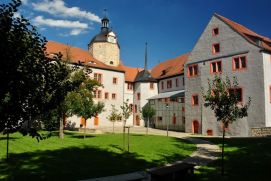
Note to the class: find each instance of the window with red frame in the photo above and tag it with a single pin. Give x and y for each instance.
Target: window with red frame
(238, 92)
(99, 94)
(98, 77)
(195, 100)
(106, 95)
(215, 32)
(169, 84)
(135, 109)
(216, 67)
(192, 70)
(216, 48)
(138, 96)
(95, 93)
(130, 86)
(151, 85)
(177, 82)
(114, 96)
(162, 85)
(239, 63)
(115, 80)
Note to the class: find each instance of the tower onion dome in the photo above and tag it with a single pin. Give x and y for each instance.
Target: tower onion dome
(106, 34)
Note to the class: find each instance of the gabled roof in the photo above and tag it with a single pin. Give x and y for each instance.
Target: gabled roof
(77, 54)
(251, 36)
(170, 67)
(130, 72)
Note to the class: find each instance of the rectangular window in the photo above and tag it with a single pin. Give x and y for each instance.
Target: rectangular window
(152, 102)
(181, 99)
(195, 100)
(106, 95)
(98, 77)
(162, 85)
(177, 82)
(131, 107)
(192, 70)
(135, 108)
(130, 86)
(99, 94)
(169, 84)
(151, 85)
(238, 93)
(114, 96)
(216, 67)
(160, 118)
(138, 96)
(215, 32)
(216, 48)
(95, 93)
(115, 80)
(239, 63)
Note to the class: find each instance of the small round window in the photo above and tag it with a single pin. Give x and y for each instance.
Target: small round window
(111, 62)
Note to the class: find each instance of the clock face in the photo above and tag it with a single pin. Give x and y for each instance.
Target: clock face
(111, 39)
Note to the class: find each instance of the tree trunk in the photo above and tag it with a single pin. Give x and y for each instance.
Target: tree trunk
(85, 130)
(61, 127)
(222, 160)
(124, 136)
(7, 143)
(148, 123)
(113, 127)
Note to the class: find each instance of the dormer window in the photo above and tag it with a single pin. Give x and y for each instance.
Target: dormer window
(215, 32)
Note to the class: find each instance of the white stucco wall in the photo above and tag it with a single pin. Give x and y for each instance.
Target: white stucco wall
(180, 86)
(129, 94)
(267, 84)
(108, 86)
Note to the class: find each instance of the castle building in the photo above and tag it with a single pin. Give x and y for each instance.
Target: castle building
(174, 87)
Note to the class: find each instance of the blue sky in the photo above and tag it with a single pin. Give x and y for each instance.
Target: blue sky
(171, 27)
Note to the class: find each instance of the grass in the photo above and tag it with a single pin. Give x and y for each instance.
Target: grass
(75, 158)
(245, 159)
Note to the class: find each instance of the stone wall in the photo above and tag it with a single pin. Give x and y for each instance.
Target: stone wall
(256, 132)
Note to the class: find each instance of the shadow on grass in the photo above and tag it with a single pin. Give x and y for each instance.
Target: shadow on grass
(78, 135)
(70, 164)
(10, 138)
(245, 159)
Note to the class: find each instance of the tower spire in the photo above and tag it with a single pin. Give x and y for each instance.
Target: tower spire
(146, 56)
(105, 21)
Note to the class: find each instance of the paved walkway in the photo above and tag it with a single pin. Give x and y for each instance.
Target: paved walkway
(205, 153)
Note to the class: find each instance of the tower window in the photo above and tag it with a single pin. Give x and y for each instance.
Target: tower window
(115, 80)
(195, 100)
(111, 63)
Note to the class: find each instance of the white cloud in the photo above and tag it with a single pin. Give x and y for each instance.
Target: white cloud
(17, 15)
(24, 2)
(58, 7)
(76, 32)
(39, 21)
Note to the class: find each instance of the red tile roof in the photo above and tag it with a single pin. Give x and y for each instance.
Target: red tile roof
(130, 72)
(170, 67)
(248, 34)
(77, 54)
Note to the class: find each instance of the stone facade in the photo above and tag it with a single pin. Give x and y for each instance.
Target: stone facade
(251, 80)
(106, 52)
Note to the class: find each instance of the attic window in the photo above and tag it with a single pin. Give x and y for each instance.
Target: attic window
(216, 48)
(215, 32)
(163, 72)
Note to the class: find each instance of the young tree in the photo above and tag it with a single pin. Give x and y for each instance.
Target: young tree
(80, 102)
(126, 112)
(222, 98)
(147, 113)
(114, 116)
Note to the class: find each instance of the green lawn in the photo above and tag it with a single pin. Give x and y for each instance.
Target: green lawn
(245, 159)
(75, 158)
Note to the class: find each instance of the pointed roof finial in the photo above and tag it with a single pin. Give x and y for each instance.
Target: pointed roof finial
(146, 56)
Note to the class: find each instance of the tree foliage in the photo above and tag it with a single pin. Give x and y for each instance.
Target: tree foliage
(28, 77)
(148, 112)
(225, 103)
(114, 115)
(80, 101)
(126, 111)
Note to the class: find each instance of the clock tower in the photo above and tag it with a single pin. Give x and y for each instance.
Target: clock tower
(104, 46)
